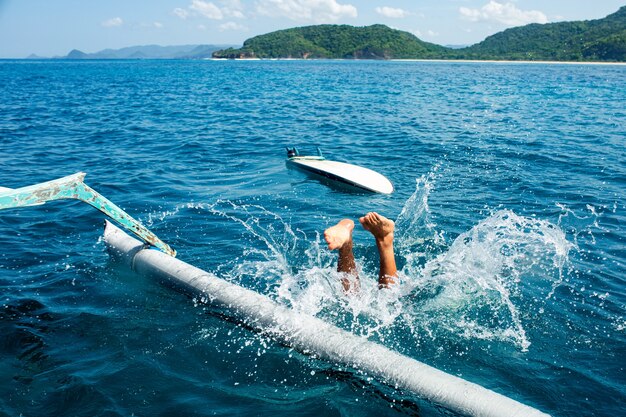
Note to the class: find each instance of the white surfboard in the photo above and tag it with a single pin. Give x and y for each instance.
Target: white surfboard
(353, 175)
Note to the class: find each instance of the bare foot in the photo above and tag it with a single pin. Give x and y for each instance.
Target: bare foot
(381, 227)
(339, 234)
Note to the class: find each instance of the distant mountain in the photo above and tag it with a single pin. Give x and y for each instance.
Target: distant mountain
(593, 40)
(76, 54)
(335, 41)
(149, 52)
(589, 40)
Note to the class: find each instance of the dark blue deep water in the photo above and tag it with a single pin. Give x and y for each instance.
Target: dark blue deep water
(510, 210)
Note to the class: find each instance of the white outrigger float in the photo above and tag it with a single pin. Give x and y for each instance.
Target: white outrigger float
(300, 331)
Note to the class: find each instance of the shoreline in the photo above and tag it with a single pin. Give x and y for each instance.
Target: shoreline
(506, 61)
(478, 61)
(471, 61)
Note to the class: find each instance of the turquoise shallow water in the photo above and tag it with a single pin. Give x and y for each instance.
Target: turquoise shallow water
(509, 204)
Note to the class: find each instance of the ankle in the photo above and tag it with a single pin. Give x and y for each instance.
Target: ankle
(346, 247)
(385, 242)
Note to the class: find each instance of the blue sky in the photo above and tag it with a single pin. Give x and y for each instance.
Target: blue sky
(54, 27)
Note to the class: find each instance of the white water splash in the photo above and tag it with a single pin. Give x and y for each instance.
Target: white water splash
(267, 261)
(414, 224)
(300, 272)
(318, 291)
(416, 234)
(160, 216)
(483, 276)
(580, 226)
(472, 289)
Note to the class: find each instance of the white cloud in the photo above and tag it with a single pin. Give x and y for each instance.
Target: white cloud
(391, 12)
(428, 34)
(211, 10)
(116, 21)
(234, 13)
(232, 8)
(156, 25)
(506, 13)
(314, 10)
(232, 26)
(182, 13)
(207, 9)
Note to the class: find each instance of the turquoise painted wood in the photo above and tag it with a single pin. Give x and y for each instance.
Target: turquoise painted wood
(73, 187)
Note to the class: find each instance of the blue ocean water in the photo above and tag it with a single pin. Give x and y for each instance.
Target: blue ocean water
(509, 206)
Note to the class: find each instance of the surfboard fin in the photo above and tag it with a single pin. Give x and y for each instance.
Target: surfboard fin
(291, 152)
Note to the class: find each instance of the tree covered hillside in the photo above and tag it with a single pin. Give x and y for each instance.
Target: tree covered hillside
(590, 40)
(335, 41)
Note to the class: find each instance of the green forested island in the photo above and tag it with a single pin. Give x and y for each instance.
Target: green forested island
(335, 41)
(589, 40)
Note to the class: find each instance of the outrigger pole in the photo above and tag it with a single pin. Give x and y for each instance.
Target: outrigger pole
(73, 187)
(313, 336)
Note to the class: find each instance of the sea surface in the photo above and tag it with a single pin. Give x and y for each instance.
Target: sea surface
(510, 211)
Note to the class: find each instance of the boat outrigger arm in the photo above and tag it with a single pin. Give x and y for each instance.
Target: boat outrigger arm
(73, 187)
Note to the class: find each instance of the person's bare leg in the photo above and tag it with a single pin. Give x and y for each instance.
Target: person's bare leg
(339, 237)
(382, 228)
